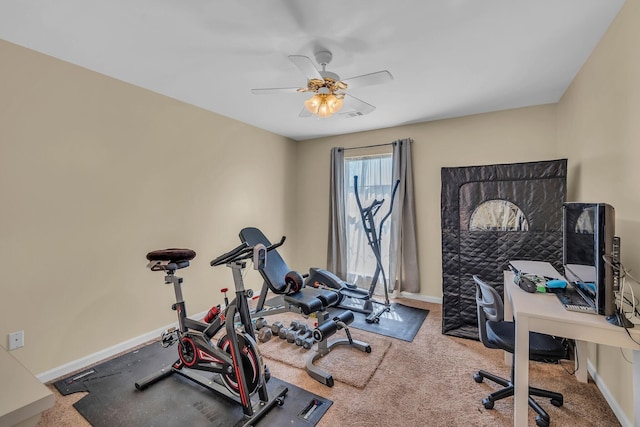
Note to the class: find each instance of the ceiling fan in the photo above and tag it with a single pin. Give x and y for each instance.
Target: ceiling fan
(329, 91)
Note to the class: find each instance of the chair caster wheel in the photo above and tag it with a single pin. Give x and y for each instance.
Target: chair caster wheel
(541, 422)
(557, 402)
(488, 403)
(477, 378)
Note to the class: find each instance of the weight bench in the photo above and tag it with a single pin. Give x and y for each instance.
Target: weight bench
(293, 296)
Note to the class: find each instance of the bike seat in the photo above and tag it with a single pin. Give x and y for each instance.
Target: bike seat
(179, 257)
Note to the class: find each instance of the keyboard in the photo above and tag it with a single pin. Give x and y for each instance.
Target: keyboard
(580, 308)
(571, 300)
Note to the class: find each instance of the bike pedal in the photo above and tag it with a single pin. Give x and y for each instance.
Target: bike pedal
(169, 337)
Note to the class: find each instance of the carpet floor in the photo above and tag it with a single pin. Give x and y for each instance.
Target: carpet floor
(427, 382)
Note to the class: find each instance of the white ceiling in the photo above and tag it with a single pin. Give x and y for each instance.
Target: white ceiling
(449, 58)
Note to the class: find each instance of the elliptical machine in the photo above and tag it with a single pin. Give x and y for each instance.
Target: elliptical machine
(235, 356)
(367, 215)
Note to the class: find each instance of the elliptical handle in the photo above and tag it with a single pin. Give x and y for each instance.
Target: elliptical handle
(355, 190)
(393, 197)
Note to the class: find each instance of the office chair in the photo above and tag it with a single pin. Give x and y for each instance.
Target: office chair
(495, 332)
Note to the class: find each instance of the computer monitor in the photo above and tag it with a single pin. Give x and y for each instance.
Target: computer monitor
(589, 252)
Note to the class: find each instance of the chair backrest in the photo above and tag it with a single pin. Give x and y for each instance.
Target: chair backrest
(276, 269)
(490, 307)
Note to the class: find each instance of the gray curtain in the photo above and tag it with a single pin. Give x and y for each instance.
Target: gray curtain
(336, 251)
(403, 258)
(403, 250)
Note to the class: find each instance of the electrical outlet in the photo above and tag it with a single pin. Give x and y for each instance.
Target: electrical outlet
(16, 340)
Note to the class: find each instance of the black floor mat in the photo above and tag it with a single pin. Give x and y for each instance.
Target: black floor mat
(114, 401)
(401, 322)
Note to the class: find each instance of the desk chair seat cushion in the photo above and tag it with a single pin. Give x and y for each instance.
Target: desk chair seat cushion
(502, 334)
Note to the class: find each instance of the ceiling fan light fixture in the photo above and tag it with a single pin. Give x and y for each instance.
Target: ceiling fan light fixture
(335, 103)
(324, 110)
(323, 105)
(327, 89)
(312, 104)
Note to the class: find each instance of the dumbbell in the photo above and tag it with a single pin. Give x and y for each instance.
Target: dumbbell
(282, 333)
(301, 329)
(288, 334)
(308, 342)
(302, 335)
(275, 327)
(264, 334)
(261, 323)
(291, 335)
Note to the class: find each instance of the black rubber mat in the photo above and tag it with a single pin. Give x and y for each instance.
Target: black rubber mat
(401, 322)
(113, 399)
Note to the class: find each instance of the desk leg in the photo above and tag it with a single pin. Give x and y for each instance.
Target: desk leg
(582, 374)
(636, 388)
(521, 372)
(508, 316)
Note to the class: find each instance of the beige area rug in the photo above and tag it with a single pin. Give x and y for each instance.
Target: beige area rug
(345, 363)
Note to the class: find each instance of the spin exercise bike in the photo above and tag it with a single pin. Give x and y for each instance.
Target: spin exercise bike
(235, 356)
(367, 215)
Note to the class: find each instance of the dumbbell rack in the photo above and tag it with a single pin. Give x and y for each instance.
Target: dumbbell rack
(327, 326)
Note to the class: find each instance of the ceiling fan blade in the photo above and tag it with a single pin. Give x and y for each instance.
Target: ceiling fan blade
(306, 66)
(270, 91)
(305, 113)
(368, 79)
(355, 107)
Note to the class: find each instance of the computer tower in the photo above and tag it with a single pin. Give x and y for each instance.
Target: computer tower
(590, 252)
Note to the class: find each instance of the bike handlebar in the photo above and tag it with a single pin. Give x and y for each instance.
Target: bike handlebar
(243, 251)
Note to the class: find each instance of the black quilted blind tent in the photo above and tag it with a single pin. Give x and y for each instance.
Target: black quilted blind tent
(490, 215)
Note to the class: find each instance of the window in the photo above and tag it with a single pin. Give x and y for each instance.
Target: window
(498, 215)
(374, 183)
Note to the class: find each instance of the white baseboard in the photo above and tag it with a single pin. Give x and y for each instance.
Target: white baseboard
(613, 403)
(83, 362)
(420, 297)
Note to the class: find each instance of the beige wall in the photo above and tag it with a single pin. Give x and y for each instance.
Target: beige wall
(522, 135)
(94, 173)
(599, 131)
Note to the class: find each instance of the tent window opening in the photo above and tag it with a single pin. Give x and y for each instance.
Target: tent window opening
(375, 178)
(498, 215)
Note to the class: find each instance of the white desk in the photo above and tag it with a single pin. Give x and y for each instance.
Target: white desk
(544, 313)
(22, 397)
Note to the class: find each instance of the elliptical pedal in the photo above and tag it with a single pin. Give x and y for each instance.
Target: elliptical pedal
(374, 317)
(357, 293)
